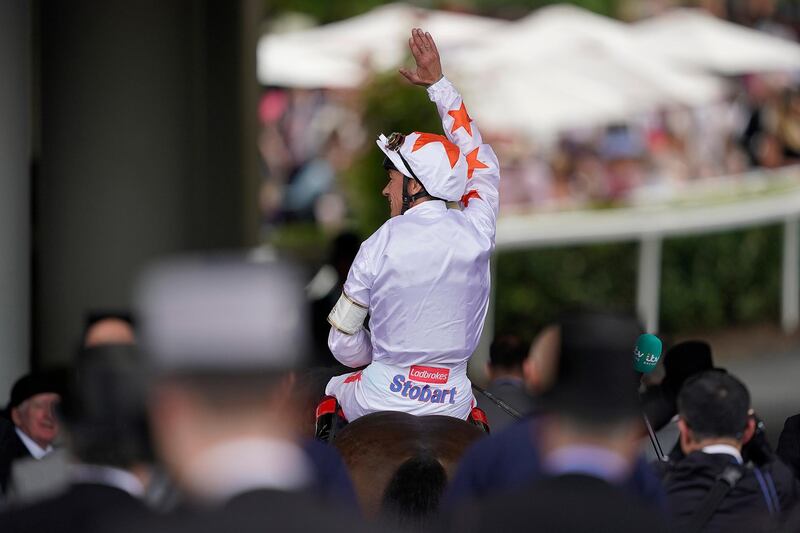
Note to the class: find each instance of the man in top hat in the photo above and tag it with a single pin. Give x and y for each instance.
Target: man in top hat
(586, 374)
(586, 442)
(224, 336)
(31, 409)
(660, 402)
(422, 277)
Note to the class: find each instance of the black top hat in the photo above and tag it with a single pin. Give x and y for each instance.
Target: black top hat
(595, 379)
(682, 361)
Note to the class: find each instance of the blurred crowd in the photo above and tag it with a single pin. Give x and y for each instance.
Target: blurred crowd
(311, 137)
(198, 416)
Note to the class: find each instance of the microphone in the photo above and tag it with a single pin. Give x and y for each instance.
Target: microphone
(646, 353)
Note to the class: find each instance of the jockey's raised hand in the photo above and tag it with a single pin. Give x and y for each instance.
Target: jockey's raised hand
(426, 56)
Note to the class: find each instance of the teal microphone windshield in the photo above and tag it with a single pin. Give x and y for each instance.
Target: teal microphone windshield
(647, 353)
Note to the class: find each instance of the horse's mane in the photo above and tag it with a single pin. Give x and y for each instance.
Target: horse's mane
(412, 496)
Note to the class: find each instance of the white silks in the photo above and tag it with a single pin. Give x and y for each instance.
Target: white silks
(424, 277)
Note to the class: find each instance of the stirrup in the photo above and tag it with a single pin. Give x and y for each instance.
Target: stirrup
(329, 419)
(478, 418)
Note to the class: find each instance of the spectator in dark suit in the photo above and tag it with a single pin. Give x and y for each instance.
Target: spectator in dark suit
(224, 336)
(511, 459)
(506, 357)
(104, 420)
(587, 442)
(660, 402)
(789, 444)
(31, 410)
(715, 421)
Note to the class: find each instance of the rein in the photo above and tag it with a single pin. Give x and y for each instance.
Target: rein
(498, 402)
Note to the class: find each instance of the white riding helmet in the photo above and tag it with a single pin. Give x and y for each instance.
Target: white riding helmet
(431, 159)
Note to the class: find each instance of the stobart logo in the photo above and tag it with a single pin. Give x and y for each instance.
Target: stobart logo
(421, 393)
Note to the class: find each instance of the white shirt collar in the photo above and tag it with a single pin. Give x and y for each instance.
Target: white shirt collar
(727, 449)
(107, 475)
(589, 460)
(246, 464)
(36, 451)
(429, 206)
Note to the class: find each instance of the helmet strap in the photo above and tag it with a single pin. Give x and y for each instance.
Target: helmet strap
(409, 198)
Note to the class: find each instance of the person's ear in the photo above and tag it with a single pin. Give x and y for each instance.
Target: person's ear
(686, 437)
(16, 417)
(414, 187)
(749, 430)
(530, 374)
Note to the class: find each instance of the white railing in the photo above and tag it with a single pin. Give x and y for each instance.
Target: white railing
(652, 224)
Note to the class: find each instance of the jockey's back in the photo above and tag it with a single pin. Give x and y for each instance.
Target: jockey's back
(431, 287)
(424, 278)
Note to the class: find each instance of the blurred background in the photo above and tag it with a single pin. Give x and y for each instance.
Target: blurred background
(649, 152)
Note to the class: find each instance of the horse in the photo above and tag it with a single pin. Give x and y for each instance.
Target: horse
(400, 463)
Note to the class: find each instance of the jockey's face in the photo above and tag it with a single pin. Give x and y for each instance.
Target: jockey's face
(394, 192)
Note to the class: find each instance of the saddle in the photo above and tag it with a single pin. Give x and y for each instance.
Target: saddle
(330, 419)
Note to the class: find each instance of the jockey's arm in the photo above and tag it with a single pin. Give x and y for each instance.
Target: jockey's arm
(348, 341)
(351, 350)
(481, 199)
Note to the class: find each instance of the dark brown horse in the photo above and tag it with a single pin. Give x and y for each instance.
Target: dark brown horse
(400, 463)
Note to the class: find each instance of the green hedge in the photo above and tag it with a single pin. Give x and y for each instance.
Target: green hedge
(707, 282)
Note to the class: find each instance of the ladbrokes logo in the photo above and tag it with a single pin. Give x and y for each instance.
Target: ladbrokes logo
(429, 374)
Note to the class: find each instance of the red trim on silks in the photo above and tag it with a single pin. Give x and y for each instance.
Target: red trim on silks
(478, 415)
(353, 377)
(470, 195)
(340, 414)
(326, 406)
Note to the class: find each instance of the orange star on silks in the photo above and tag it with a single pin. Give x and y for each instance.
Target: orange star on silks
(473, 163)
(353, 377)
(470, 195)
(460, 119)
(451, 149)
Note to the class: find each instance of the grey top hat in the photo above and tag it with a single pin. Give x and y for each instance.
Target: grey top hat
(223, 313)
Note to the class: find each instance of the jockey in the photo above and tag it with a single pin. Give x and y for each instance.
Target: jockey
(423, 277)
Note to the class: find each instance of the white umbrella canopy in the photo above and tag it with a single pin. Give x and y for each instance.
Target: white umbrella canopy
(565, 67)
(307, 66)
(537, 107)
(695, 38)
(540, 33)
(374, 41)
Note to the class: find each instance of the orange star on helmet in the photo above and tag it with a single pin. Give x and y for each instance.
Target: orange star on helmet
(450, 148)
(460, 119)
(473, 163)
